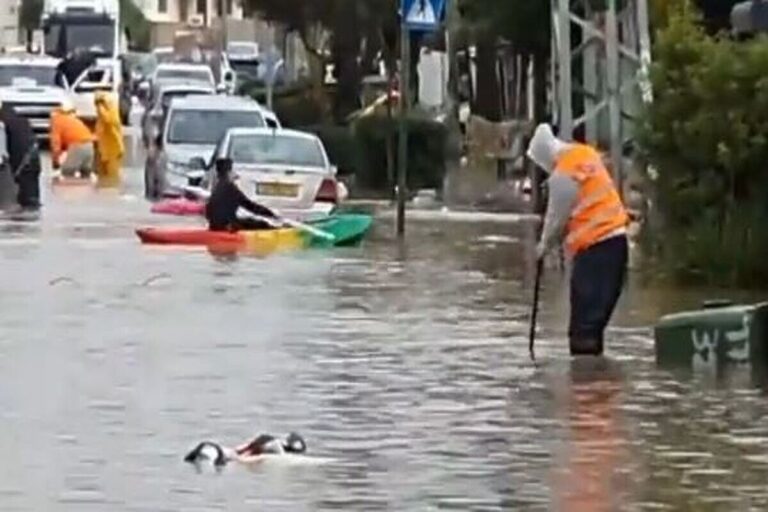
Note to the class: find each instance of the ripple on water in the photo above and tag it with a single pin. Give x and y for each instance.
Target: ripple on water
(409, 369)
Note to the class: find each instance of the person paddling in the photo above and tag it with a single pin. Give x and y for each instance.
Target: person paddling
(226, 198)
(585, 212)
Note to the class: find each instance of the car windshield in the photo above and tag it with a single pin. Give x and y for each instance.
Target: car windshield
(200, 75)
(18, 74)
(169, 95)
(277, 149)
(208, 126)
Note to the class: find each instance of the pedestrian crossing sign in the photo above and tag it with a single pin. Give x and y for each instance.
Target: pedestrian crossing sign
(423, 15)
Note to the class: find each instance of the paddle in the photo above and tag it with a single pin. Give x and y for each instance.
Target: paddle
(309, 229)
(204, 194)
(535, 306)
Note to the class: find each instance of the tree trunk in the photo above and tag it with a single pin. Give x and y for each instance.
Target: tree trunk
(346, 49)
(488, 98)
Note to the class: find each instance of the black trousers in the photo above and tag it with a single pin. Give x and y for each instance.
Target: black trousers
(28, 181)
(598, 276)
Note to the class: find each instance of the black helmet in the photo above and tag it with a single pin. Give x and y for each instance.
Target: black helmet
(294, 443)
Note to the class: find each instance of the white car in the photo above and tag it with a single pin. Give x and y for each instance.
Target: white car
(104, 76)
(287, 170)
(183, 73)
(190, 131)
(28, 83)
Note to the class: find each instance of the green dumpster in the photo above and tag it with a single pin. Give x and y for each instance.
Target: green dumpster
(718, 334)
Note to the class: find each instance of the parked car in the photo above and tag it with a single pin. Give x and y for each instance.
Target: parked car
(154, 114)
(213, 70)
(183, 73)
(190, 131)
(287, 170)
(28, 83)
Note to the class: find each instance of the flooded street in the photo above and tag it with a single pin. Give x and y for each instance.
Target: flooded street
(407, 366)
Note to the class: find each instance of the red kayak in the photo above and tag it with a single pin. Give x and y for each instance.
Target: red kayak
(190, 236)
(179, 207)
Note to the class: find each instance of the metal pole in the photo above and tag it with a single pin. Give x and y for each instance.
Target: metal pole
(402, 168)
(614, 93)
(564, 58)
(645, 50)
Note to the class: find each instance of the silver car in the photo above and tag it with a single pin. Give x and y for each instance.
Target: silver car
(189, 134)
(286, 170)
(154, 115)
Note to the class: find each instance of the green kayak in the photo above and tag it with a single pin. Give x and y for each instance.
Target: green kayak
(348, 229)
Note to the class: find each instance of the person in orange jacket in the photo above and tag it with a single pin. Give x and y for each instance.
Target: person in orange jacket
(585, 211)
(71, 142)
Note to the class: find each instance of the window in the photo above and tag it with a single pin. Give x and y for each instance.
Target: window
(162, 6)
(277, 150)
(208, 126)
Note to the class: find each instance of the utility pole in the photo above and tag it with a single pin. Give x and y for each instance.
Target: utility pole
(402, 164)
(421, 16)
(614, 55)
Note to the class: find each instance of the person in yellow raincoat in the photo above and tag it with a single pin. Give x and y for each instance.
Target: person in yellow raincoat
(109, 141)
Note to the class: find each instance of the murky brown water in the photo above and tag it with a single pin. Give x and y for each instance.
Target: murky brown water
(407, 366)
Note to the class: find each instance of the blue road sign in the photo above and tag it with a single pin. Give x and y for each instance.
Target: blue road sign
(423, 15)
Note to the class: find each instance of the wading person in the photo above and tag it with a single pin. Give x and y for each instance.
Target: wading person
(586, 214)
(109, 141)
(71, 142)
(226, 198)
(23, 157)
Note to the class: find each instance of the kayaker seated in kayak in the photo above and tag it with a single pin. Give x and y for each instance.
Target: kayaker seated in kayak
(226, 198)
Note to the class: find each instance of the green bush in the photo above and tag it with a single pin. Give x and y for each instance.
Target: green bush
(706, 133)
(294, 104)
(360, 150)
(341, 146)
(426, 152)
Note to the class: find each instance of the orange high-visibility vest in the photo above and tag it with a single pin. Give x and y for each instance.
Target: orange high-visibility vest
(66, 131)
(598, 211)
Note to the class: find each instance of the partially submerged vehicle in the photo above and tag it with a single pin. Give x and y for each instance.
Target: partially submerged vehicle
(188, 137)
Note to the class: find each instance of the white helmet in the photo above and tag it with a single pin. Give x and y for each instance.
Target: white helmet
(544, 147)
(67, 105)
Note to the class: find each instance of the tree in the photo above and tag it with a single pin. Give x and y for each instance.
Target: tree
(705, 135)
(348, 33)
(523, 23)
(29, 17)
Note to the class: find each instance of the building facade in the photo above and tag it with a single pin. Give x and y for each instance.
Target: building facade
(9, 23)
(195, 12)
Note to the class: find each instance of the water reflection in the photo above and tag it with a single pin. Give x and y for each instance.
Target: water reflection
(407, 365)
(595, 444)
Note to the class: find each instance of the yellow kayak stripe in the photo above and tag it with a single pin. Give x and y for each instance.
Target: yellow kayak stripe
(266, 241)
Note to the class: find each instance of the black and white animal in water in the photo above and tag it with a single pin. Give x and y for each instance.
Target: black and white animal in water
(211, 453)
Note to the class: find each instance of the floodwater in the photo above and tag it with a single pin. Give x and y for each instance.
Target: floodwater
(406, 365)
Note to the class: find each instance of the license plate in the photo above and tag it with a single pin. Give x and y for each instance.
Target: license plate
(277, 189)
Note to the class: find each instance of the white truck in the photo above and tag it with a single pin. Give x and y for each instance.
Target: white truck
(94, 26)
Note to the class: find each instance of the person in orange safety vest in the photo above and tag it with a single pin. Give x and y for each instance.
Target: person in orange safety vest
(586, 213)
(72, 148)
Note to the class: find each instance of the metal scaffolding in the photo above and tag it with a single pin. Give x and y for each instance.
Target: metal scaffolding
(600, 61)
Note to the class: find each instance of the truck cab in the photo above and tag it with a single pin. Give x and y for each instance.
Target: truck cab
(92, 26)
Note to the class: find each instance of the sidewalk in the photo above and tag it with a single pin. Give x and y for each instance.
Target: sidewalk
(385, 209)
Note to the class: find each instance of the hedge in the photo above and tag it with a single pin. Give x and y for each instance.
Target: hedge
(706, 134)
